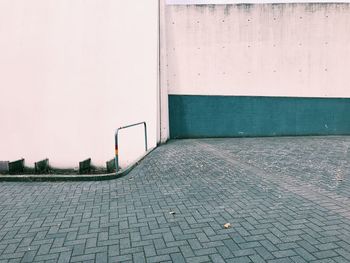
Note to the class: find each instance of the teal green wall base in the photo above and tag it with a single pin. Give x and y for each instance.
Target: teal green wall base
(240, 116)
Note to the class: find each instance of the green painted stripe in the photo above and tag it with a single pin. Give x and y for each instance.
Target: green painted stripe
(193, 116)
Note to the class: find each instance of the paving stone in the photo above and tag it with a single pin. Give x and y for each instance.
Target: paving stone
(177, 257)
(280, 195)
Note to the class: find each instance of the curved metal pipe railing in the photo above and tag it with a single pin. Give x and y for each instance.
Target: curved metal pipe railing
(116, 141)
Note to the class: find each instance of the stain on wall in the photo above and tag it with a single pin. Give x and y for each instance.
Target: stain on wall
(257, 70)
(258, 50)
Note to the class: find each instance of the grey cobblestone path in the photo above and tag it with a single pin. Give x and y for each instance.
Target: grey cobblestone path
(287, 199)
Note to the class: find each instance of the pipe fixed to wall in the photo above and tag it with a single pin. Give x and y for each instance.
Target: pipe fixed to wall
(116, 141)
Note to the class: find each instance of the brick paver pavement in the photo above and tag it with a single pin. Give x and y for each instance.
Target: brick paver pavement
(287, 200)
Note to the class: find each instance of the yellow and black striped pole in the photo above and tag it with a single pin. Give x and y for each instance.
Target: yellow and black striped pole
(116, 152)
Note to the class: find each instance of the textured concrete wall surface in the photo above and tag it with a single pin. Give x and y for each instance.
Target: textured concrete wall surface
(279, 57)
(300, 50)
(71, 72)
(223, 2)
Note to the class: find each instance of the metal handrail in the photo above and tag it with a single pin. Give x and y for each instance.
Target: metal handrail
(116, 140)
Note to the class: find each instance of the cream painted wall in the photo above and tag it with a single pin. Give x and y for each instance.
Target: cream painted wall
(300, 50)
(71, 72)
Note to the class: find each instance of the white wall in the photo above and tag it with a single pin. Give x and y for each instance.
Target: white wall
(71, 72)
(300, 50)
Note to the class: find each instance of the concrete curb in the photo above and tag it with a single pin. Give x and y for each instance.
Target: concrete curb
(70, 178)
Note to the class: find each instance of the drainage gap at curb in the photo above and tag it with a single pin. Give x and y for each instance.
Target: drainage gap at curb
(72, 175)
(43, 167)
(16, 167)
